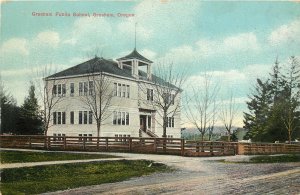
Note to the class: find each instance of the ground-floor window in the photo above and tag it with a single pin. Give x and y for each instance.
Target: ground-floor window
(120, 118)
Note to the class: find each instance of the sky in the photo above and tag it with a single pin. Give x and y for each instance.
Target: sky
(233, 41)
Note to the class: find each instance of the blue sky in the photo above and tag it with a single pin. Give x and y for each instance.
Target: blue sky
(233, 41)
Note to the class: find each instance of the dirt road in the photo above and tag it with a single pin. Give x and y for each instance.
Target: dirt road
(204, 176)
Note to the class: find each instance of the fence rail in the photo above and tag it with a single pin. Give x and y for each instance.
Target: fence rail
(144, 145)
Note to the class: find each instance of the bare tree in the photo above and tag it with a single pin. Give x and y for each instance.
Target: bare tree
(98, 93)
(167, 87)
(228, 112)
(48, 94)
(201, 106)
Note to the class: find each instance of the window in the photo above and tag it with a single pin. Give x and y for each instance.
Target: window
(63, 89)
(115, 117)
(59, 89)
(91, 87)
(172, 99)
(170, 121)
(80, 89)
(80, 137)
(119, 90)
(120, 118)
(85, 117)
(72, 89)
(90, 117)
(127, 118)
(59, 118)
(128, 91)
(169, 98)
(150, 94)
(115, 89)
(123, 118)
(149, 122)
(123, 90)
(63, 118)
(80, 117)
(54, 90)
(85, 87)
(54, 118)
(72, 117)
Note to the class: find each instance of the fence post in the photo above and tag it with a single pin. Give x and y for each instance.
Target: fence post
(182, 147)
(65, 142)
(211, 148)
(130, 144)
(197, 146)
(29, 140)
(48, 142)
(106, 144)
(155, 145)
(84, 143)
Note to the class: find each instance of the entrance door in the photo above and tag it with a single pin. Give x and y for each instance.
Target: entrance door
(143, 122)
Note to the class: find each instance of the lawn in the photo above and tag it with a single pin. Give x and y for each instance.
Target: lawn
(275, 158)
(40, 179)
(22, 156)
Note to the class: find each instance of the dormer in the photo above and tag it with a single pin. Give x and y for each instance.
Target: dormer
(134, 61)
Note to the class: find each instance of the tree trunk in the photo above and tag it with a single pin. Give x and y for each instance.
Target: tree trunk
(98, 132)
(165, 122)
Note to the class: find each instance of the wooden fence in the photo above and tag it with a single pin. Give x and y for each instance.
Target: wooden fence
(267, 148)
(145, 145)
(121, 144)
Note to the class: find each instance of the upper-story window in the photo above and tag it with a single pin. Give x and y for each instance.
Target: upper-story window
(121, 90)
(72, 89)
(169, 98)
(59, 90)
(86, 88)
(91, 88)
(150, 94)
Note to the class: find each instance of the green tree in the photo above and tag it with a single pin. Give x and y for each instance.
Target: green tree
(256, 120)
(30, 120)
(9, 111)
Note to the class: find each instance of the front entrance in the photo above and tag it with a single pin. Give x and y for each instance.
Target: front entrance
(143, 122)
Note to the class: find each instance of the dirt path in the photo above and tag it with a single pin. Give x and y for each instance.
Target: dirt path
(204, 176)
(199, 176)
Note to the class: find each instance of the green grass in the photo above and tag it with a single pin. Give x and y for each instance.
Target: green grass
(276, 158)
(22, 156)
(40, 179)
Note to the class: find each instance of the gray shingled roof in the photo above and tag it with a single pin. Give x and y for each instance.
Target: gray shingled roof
(135, 55)
(92, 66)
(103, 65)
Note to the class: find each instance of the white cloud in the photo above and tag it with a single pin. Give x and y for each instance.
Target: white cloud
(151, 55)
(240, 42)
(287, 33)
(15, 46)
(89, 31)
(205, 48)
(48, 38)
